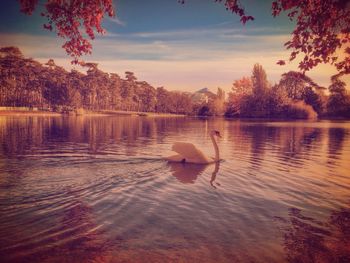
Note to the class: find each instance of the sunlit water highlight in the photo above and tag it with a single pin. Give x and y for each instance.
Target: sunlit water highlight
(95, 189)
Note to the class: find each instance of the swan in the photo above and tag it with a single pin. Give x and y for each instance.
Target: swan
(189, 153)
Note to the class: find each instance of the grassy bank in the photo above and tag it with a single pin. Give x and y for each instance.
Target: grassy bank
(20, 112)
(28, 113)
(136, 113)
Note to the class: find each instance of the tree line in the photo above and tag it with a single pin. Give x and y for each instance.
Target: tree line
(26, 82)
(295, 96)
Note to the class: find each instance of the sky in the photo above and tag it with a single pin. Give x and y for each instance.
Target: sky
(180, 47)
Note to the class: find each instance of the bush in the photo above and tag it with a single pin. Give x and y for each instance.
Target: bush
(231, 112)
(298, 110)
(205, 111)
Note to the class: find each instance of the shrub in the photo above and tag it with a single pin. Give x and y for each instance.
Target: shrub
(205, 111)
(298, 110)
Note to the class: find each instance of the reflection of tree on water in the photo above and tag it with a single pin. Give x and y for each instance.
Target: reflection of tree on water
(299, 140)
(308, 240)
(20, 135)
(213, 175)
(293, 141)
(258, 135)
(310, 138)
(188, 173)
(16, 137)
(336, 138)
(298, 143)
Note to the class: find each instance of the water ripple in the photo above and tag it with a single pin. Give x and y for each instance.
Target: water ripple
(109, 195)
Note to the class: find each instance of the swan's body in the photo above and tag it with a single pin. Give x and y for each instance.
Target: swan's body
(189, 153)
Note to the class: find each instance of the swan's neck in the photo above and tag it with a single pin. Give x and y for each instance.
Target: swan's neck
(216, 148)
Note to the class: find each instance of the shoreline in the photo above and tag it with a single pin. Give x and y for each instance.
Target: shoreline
(147, 114)
(88, 113)
(135, 113)
(28, 113)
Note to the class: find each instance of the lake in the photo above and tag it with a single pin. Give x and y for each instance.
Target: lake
(96, 189)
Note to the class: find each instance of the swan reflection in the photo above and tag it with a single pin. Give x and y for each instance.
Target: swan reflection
(213, 175)
(188, 173)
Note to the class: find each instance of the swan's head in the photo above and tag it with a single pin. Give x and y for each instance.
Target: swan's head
(216, 133)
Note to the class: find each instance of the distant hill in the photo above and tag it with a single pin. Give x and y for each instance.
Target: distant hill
(204, 90)
(202, 95)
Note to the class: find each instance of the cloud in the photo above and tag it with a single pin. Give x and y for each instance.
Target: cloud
(116, 20)
(34, 45)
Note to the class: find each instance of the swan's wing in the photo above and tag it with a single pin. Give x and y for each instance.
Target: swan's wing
(188, 151)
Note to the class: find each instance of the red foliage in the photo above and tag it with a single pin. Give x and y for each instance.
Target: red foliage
(235, 7)
(28, 6)
(322, 27)
(68, 17)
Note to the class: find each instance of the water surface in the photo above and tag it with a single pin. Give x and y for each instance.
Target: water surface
(95, 189)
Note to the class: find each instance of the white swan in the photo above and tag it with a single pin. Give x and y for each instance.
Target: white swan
(188, 153)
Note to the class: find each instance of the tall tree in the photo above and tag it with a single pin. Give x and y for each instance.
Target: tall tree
(56, 85)
(20, 79)
(147, 97)
(162, 100)
(114, 89)
(218, 104)
(259, 80)
(128, 92)
(298, 86)
(180, 102)
(239, 91)
(75, 83)
(338, 104)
